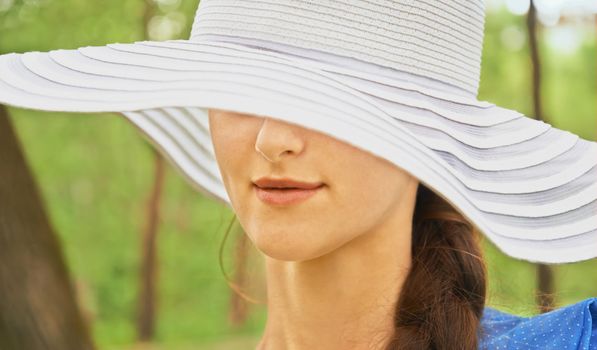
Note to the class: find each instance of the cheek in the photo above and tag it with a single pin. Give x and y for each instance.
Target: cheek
(361, 207)
(368, 194)
(233, 142)
(228, 140)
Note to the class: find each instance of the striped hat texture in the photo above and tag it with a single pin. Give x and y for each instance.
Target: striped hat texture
(397, 78)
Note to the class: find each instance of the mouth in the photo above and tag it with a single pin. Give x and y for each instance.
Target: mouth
(285, 183)
(285, 196)
(285, 191)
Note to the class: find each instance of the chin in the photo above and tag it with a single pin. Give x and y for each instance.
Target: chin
(297, 248)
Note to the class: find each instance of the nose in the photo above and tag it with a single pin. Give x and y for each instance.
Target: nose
(276, 139)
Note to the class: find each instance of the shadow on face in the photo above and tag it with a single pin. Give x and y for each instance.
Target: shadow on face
(360, 194)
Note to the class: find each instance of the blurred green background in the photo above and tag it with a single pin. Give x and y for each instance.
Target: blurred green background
(95, 172)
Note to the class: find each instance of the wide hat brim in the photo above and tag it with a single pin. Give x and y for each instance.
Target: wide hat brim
(529, 187)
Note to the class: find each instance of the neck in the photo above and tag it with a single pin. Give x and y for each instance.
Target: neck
(342, 300)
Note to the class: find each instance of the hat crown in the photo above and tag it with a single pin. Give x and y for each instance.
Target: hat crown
(437, 39)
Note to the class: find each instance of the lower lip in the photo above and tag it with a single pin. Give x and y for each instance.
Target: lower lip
(285, 196)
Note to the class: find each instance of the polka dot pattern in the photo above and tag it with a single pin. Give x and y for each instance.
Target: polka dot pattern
(569, 327)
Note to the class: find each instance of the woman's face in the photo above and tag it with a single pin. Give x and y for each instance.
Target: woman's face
(360, 191)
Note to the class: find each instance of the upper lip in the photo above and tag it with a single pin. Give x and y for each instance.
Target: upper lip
(267, 182)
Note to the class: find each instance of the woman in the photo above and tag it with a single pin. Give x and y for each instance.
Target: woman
(369, 108)
(366, 257)
(338, 256)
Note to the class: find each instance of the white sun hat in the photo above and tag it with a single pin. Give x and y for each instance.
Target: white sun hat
(397, 78)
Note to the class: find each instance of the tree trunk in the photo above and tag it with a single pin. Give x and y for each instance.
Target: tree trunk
(545, 285)
(38, 308)
(535, 61)
(146, 307)
(148, 271)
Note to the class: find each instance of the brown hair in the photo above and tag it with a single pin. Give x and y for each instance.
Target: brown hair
(442, 300)
(443, 297)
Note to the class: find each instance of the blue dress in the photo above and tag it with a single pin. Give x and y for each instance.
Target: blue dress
(568, 327)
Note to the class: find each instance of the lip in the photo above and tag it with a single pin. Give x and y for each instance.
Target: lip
(269, 182)
(285, 191)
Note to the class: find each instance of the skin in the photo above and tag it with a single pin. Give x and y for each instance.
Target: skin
(335, 263)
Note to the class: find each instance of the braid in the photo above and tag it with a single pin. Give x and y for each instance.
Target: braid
(443, 297)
